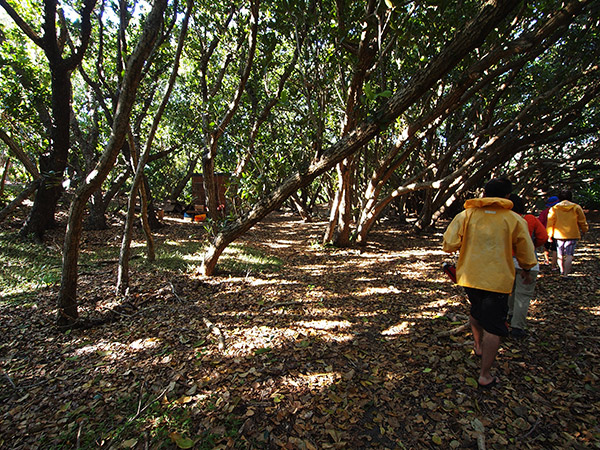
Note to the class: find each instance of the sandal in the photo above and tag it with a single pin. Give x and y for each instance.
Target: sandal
(490, 385)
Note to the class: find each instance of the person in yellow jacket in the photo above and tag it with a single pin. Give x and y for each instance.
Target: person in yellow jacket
(566, 223)
(487, 234)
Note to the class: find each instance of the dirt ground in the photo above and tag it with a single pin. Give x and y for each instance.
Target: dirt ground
(333, 348)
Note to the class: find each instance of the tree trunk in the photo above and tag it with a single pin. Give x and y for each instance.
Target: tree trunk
(25, 193)
(4, 176)
(67, 297)
(52, 164)
(97, 211)
(210, 186)
(301, 207)
(346, 172)
(20, 155)
(151, 219)
(96, 219)
(176, 192)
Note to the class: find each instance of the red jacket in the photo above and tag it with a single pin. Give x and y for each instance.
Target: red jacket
(543, 217)
(536, 230)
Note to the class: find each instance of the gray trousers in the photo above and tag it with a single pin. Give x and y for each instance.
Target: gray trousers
(519, 299)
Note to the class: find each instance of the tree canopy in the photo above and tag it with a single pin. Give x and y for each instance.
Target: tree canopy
(370, 107)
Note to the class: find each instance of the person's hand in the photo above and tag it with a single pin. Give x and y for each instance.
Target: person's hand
(526, 275)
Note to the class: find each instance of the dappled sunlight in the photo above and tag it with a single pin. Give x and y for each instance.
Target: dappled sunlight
(317, 269)
(113, 350)
(595, 310)
(312, 380)
(335, 340)
(267, 282)
(324, 324)
(280, 244)
(432, 309)
(409, 253)
(398, 329)
(249, 340)
(365, 315)
(410, 274)
(193, 258)
(179, 243)
(380, 290)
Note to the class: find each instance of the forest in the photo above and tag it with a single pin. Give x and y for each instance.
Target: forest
(220, 222)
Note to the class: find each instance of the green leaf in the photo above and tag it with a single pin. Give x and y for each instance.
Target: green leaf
(427, 370)
(180, 441)
(436, 439)
(185, 443)
(261, 351)
(471, 382)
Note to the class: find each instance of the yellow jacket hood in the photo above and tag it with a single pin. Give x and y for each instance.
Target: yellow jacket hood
(566, 206)
(487, 234)
(490, 202)
(566, 220)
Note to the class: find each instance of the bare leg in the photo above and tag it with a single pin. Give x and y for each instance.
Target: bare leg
(488, 344)
(477, 334)
(554, 263)
(560, 264)
(489, 349)
(567, 264)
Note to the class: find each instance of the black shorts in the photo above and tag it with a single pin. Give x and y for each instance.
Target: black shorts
(490, 310)
(550, 246)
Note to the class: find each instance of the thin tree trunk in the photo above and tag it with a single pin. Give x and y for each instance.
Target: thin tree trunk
(4, 176)
(139, 179)
(20, 155)
(185, 180)
(301, 207)
(208, 161)
(67, 297)
(25, 193)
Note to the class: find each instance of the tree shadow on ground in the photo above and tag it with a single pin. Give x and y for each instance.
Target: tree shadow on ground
(336, 348)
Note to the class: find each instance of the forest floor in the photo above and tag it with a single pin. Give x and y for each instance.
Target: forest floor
(299, 347)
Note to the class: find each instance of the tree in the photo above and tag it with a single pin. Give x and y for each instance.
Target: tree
(462, 118)
(53, 164)
(468, 38)
(141, 160)
(67, 298)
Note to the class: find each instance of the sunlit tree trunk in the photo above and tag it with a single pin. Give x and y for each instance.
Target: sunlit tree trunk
(139, 163)
(67, 297)
(339, 228)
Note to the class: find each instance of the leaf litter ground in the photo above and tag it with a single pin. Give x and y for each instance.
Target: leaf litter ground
(320, 348)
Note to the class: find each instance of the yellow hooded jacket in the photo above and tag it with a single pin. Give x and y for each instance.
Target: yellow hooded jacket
(565, 220)
(488, 234)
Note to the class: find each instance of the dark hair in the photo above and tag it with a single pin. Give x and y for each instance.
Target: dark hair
(518, 204)
(565, 194)
(498, 187)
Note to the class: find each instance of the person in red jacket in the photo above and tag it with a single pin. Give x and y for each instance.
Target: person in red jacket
(519, 299)
(549, 246)
(566, 224)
